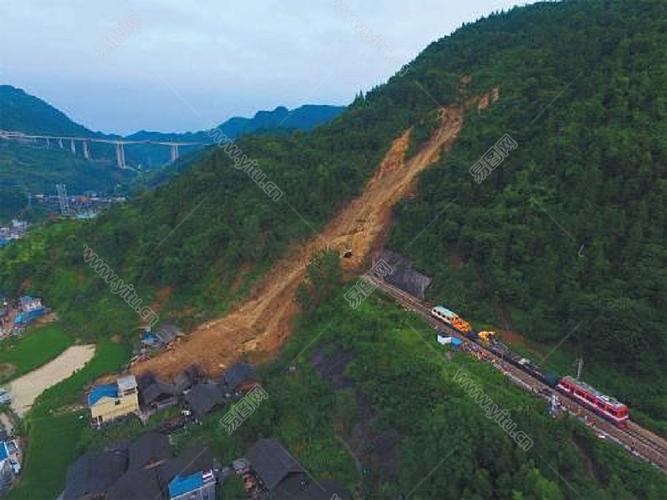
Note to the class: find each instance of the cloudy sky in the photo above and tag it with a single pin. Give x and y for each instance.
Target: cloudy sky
(172, 65)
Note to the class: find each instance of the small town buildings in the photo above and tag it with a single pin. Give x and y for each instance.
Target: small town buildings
(143, 469)
(110, 401)
(280, 475)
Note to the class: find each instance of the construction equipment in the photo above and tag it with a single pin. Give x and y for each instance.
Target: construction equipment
(486, 337)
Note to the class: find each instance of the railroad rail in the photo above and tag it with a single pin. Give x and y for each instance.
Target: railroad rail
(635, 439)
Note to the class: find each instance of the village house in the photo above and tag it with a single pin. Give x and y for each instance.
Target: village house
(92, 474)
(280, 475)
(324, 490)
(30, 308)
(203, 398)
(155, 395)
(167, 333)
(238, 380)
(110, 401)
(10, 463)
(187, 378)
(191, 475)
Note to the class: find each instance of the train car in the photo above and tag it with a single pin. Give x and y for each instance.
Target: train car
(529, 367)
(451, 318)
(444, 314)
(606, 406)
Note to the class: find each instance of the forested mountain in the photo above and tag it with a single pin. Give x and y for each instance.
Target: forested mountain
(29, 114)
(279, 121)
(564, 242)
(304, 118)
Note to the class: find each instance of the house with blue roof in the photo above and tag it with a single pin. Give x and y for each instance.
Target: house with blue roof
(197, 486)
(30, 308)
(111, 401)
(10, 463)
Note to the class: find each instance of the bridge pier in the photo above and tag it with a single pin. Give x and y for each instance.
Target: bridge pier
(48, 143)
(86, 149)
(73, 147)
(120, 155)
(174, 152)
(60, 143)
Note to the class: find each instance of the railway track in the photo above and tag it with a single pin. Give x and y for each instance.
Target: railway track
(634, 438)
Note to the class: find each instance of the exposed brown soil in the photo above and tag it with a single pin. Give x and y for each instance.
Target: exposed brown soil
(161, 298)
(259, 325)
(6, 370)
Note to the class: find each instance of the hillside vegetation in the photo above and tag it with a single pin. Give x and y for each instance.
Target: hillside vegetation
(566, 240)
(568, 231)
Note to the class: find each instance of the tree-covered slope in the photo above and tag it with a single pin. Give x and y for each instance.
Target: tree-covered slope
(28, 114)
(581, 91)
(565, 242)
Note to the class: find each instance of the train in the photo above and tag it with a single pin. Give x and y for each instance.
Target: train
(607, 407)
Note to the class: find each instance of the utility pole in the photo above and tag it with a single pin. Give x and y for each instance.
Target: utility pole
(580, 365)
(63, 201)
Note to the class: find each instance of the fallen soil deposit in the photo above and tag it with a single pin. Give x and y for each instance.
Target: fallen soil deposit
(261, 323)
(25, 389)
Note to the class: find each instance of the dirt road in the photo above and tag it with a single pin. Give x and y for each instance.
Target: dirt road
(25, 389)
(261, 323)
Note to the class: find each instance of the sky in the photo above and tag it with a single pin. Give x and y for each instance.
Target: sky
(173, 65)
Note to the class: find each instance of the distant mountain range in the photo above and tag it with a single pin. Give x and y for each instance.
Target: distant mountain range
(304, 118)
(29, 114)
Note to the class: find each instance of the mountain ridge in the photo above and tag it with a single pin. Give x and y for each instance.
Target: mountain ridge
(27, 113)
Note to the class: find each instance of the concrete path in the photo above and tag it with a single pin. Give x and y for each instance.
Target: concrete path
(25, 389)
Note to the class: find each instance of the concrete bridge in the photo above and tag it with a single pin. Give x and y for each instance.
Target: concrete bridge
(84, 143)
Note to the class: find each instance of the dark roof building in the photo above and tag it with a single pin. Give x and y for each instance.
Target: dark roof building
(190, 475)
(92, 474)
(281, 475)
(239, 377)
(168, 332)
(148, 451)
(158, 395)
(190, 461)
(137, 485)
(324, 490)
(187, 378)
(202, 398)
(152, 473)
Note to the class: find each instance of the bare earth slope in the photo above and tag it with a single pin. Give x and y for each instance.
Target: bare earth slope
(260, 324)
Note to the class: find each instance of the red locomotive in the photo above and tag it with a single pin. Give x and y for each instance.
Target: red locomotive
(602, 404)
